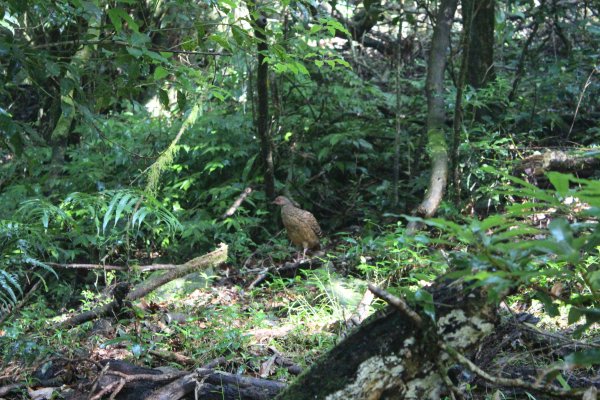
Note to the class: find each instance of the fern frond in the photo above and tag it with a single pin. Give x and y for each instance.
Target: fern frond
(8, 285)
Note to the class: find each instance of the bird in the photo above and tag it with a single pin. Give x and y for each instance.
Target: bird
(301, 226)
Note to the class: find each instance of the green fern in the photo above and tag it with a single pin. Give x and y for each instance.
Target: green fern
(9, 284)
(21, 247)
(138, 208)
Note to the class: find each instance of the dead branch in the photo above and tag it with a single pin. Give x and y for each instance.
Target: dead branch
(142, 268)
(214, 258)
(237, 203)
(512, 382)
(13, 387)
(397, 303)
(205, 381)
(362, 310)
(182, 386)
(242, 382)
(173, 357)
(147, 377)
(176, 389)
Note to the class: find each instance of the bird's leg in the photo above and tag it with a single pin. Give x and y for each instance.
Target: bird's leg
(300, 258)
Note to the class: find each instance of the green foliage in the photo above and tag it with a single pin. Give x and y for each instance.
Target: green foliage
(82, 225)
(506, 253)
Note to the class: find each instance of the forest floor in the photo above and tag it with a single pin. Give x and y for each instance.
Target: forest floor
(258, 325)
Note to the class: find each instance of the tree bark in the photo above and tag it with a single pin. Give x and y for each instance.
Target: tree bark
(481, 18)
(394, 356)
(466, 42)
(262, 91)
(398, 136)
(438, 147)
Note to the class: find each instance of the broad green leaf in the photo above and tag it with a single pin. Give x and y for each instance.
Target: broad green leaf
(163, 97)
(220, 40)
(160, 73)
(137, 53)
(126, 202)
(549, 306)
(560, 182)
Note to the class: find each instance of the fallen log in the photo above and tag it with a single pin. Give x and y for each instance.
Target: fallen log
(210, 259)
(536, 166)
(397, 352)
(404, 353)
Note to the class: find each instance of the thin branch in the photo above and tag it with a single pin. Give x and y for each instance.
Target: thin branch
(142, 289)
(524, 52)
(396, 302)
(237, 203)
(148, 377)
(142, 268)
(587, 83)
(123, 43)
(511, 382)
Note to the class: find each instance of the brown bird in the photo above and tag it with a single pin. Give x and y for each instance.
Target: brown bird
(301, 226)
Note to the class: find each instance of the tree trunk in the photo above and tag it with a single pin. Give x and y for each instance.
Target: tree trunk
(398, 137)
(392, 357)
(480, 15)
(262, 91)
(438, 148)
(466, 41)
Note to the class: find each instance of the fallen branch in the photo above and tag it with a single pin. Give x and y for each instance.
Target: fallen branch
(172, 357)
(512, 382)
(362, 310)
(211, 259)
(13, 387)
(206, 382)
(287, 269)
(141, 268)
(267, 387)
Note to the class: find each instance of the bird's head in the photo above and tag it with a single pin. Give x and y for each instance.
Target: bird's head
(282, 201)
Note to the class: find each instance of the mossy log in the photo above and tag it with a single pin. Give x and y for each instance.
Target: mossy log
(391, 357)
(536, 166)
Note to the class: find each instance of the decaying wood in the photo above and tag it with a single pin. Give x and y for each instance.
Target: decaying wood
(141, 268)
(537, 165)
(401, 355)
(211, 384)
(211, 259)
(389, 353)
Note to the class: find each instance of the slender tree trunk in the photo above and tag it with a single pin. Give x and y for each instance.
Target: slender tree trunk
(480, 17)
(398, 137)
(438, 147)
(466, 42)
(262, 91)
(538, 16)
